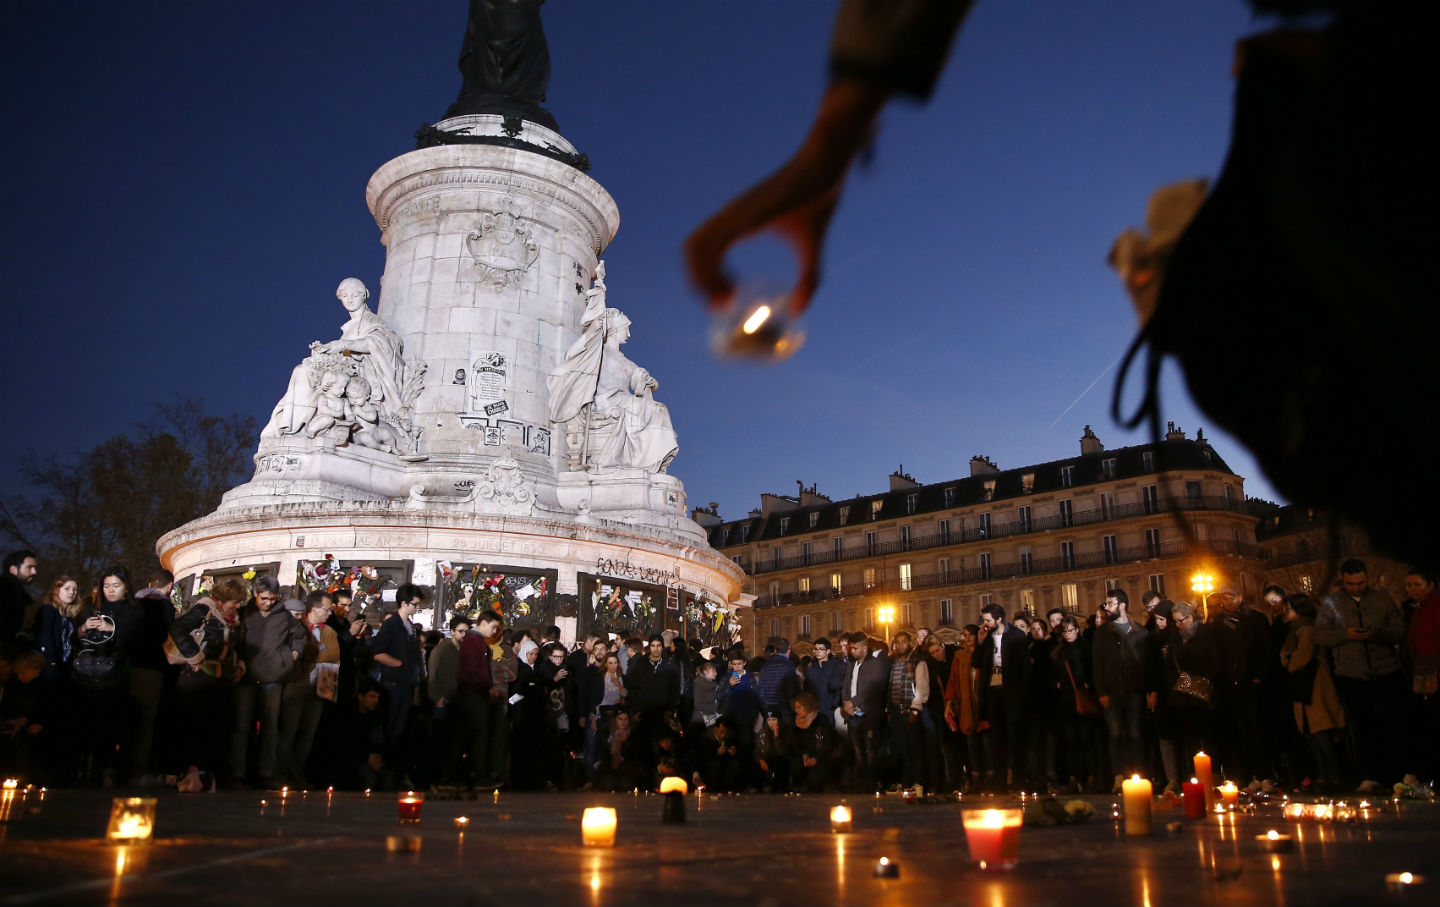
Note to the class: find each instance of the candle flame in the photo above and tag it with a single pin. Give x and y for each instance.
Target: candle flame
(1273, 835)
(1406, 878)
(756, 319)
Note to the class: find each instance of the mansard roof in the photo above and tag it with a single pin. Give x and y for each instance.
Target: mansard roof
(1088, 469)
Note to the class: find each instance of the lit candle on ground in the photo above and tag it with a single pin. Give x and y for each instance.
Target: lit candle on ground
(1230, 795)
(840, 819)
(1399, 881)
(1194, 799)
(1205, 774)
(673, 810)
(12, 783)
(993, 837)
(132, 820)
(461, 822)
(1274, 842)
(885, 868)
(409, 805)
(402, 843)
(597, 826)
(1138, 793)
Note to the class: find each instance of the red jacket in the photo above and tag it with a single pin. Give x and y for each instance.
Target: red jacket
(474, 673)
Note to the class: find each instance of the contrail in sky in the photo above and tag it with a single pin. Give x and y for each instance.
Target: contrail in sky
(1087, 390)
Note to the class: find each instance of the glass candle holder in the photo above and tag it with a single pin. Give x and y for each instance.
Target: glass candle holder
(993, 836)
(758, 325)
(409, 806)
(841, 820)
(597, 826)
(132, 820)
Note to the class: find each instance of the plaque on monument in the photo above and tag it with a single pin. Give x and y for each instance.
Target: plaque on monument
(522, 595)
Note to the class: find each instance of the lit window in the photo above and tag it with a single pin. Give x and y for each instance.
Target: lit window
(804, 584)
(989, 489)
(1027, 483)
(875, 509)
(1027, 600)
(869, 577)
(1070, 596)
(836, 584)
(844, 515)
(906, 580)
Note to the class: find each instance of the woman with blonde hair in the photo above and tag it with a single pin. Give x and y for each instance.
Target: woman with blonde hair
(55, 627)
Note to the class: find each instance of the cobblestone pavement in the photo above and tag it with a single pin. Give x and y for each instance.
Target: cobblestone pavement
(517, 849)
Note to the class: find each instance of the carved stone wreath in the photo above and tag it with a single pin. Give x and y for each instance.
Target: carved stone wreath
(507, 488)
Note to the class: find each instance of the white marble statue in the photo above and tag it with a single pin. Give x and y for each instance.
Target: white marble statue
(364, 371)
(605, 401)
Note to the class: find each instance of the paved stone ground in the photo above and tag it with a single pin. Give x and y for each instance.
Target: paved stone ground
(749, 850)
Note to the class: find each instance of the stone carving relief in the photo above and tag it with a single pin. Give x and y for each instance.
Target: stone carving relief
(507, 487)
(603, 402)
(277, 463)
(358, 389)
(503, 247)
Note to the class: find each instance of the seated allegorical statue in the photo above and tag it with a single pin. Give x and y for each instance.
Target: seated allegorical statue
(607, 402)
(368, 350)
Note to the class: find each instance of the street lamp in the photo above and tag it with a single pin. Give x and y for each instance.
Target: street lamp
(1202, 584)
(886, 615)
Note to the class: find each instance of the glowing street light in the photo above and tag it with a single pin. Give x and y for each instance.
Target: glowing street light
(1202, 584)
(886, 615)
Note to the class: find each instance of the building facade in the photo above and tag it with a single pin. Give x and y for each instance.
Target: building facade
(1052, 535)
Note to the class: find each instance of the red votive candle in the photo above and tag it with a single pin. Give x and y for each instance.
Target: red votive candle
(1194, 799)
(410, 804)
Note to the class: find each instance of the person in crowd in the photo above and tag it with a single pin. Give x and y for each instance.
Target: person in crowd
(1423, 646)
(943, 763)
(396, 651)
(100, 678)
(777, 680)
(205, 637)
(527, 718)
(270, 643)
(1362, 626)
(1002, 662)
(1070, 671)
(907, 693)
(1118, 663)
(19, 572)
(151, 676)
(706, 709)
(1318, 713)
(1189, 671)
(817, 752)
(442, 683)
(360, 739)
(25, 716)
(772, 754)
(960, 711)
(1159, 643)
(1039, 730)
(864, 693)
(1241, 685)
(823, 677)
(481, 700)
(313, 681)
(558, 694)
(55, 633)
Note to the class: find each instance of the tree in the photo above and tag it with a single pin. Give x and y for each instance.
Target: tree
(109, 504)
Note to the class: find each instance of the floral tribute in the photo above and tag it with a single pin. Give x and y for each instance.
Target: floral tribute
(521, 598)
(365, 583)
(710, 622)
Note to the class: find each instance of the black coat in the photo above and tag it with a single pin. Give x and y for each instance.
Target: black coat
(1015, 664)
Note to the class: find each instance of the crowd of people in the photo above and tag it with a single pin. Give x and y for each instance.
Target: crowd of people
(250, 686)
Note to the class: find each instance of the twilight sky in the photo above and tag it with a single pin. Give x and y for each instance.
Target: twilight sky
(184, 188)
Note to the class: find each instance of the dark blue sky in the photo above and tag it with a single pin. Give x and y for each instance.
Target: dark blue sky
(184, 187)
